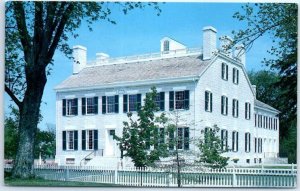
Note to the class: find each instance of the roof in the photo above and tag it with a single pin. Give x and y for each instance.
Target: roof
(258, 103)
(166, 68)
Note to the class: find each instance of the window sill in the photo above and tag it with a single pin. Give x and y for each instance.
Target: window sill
(70, 115)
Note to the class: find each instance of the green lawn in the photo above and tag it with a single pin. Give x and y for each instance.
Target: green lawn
(42, 182)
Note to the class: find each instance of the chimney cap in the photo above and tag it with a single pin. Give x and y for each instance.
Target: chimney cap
(209, 28)
(79, 47)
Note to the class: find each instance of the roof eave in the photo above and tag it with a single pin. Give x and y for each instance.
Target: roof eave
(131, 83)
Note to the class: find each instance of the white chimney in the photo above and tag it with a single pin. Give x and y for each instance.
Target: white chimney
(209, 42)
(101, 58)
(240, 53)
(225, 43)
(254, 90)
(80, 58)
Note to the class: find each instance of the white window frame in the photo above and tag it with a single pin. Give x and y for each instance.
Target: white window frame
(224, 139)
(87, 100)
(112, 104)
(235, 75)
(87, 141)
(224, 100)
(209, 101)
(70, 135)
(247, 142)
(224, 71)
(235, 108)
(247, 110)
(69, 107)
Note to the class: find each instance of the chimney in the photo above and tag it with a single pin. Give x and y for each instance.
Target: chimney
(240, 53)
(254, 89)
(101, 58)
(79, 55)
(225, 42)
(209, 42)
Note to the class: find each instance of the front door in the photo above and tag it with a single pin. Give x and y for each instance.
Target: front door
(111, 143)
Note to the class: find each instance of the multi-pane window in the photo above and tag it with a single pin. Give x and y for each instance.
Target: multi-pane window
(70, 140)
(166, 45)
(70, 107)
(89, 140)
(183, 141)
(235, 108)
(235, 141)
(89, 105)
(259, 145)
(235, 75)
(208, 101)
(247, 110)
(110, 104)
(160, 101)
(224, 71)
(179, 100)
(131, 102)
(224, 139)
(247, 142)
(224, 105)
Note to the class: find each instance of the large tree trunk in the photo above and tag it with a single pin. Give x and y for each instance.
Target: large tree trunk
(29, 118)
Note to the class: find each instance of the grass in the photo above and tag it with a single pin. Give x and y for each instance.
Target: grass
(42, 182)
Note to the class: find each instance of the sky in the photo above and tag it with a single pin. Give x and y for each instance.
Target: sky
(140, 32)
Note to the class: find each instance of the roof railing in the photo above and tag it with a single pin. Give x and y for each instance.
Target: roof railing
(146, 57)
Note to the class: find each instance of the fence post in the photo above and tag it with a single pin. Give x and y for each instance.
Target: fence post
(116, 176)
(234, 180)
(67, 173)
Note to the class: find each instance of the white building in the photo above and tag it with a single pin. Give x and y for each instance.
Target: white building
(207, 86)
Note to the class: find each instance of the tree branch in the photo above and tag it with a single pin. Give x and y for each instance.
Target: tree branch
(59, 31)
(38, 29)
(22, 28)
(13, 97)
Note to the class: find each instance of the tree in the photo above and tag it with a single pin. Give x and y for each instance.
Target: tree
(279, 21)
(266, 90)
(142, 134)
(34, 31)
(211, 149)
(45, 143)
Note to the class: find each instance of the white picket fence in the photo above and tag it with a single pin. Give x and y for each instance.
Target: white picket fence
(154, 177)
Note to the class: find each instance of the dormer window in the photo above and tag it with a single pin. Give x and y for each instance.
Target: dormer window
(166, 46)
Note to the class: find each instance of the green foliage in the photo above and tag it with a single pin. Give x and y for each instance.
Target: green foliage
(11, 134)
(279, 21)
(45, 144)
(211, 149)
(141, 133)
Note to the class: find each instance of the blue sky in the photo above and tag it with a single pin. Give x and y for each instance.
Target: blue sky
(140, 32)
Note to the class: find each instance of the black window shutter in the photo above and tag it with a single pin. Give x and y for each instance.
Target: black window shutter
(246, 110)
(83, 140)
(95, 139)
(233, 137)
(139, 101)
(233, 107)
(83, 107)
(186, 138)
(249, 111)
(226, 72)
(64, 103)
(162, 101)
(206, 101)
(237, 141)
(103, 104)
(76, 106)
(246, 142)
(237, 108)
(116, 104)
(237, 76)
(75, 140)
(125, 103)
(233, 75)
(222, 105)
(226, 139)
(223, 70)
(171, 100)
(249, 142)
(96, 105)
(186, 99)
(211, 102)
(64, 142)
